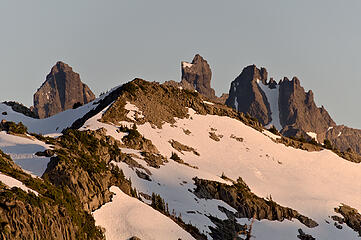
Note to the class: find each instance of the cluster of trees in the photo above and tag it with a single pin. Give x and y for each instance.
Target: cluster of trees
(11, 127)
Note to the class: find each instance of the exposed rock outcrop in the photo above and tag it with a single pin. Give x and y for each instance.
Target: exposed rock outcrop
(247, 204)
(304, 236)
(344, 138)
(197, 75)
(61, 90)
(82, 166)
(350, 216)
(246, 96)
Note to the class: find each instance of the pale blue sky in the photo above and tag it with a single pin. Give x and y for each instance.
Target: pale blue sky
(112, 42)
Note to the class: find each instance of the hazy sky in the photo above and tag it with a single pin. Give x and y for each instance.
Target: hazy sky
(112, 42)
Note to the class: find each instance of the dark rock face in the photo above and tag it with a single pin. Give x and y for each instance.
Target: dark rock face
(61, 90)
(304, 236)
(298, 112)
(298, 109)
(197, 75)
(350, 216)
(246, 96)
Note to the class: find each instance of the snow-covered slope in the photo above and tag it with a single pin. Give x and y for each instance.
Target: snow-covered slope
(313, 183)
(126, 217)
(22, 150)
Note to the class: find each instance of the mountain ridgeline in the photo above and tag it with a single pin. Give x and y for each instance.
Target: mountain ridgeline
(173, 161)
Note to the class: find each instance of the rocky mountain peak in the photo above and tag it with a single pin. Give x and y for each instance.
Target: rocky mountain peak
(246, 96)
(60, 67)
(198, 59)
(197, 75)
(252, 73)
(60, 91)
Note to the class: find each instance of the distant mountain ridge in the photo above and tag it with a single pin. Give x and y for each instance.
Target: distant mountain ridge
(288, 107)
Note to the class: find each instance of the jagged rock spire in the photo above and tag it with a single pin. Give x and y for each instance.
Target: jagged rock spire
(197, 75)
(60, 91)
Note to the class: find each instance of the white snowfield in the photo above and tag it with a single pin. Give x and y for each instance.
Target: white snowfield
(12, 182)
(313, 183)
(131, 217)
(22, 150)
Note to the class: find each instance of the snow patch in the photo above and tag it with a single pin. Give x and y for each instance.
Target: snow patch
(126, 217)
(272, 96)
(133, 111)
(271, 135)
(94, 124)
(186, 64)
(312, 135)
(12, 182)
(210, 103)
(22, 150)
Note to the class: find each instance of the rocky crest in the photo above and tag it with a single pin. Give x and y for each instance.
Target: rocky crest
(298, 108)
(61, 90)
(197, 75)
